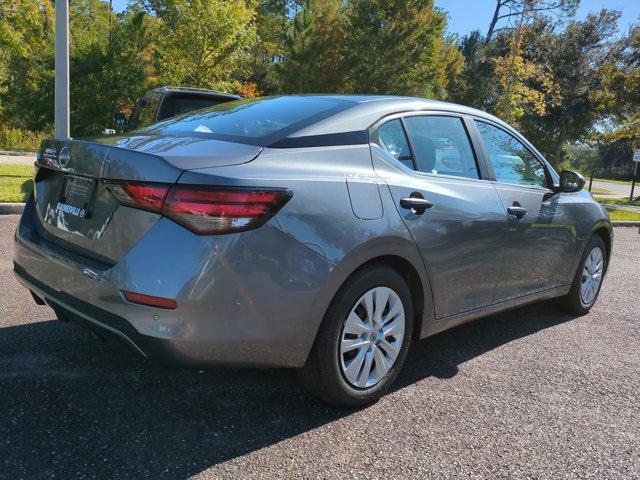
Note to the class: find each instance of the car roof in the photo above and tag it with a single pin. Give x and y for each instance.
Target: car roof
(199, 91)
(368, 109)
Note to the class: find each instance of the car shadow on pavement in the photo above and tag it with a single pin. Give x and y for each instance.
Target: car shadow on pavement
(72, 406)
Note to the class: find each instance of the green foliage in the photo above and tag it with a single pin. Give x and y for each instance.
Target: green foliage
(314, 49)
(574, 56)
(206, 43)
(620, 95)
(523, 86)
(559, 81)
(21, 140)
(397, 47)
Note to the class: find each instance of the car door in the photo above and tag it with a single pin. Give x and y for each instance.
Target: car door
(452, 211)
(540, 241)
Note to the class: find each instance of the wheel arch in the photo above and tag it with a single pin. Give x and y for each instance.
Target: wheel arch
(412, 278)
(404, 258)
(604, 231)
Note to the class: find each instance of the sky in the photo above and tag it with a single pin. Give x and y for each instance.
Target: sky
(467, 15)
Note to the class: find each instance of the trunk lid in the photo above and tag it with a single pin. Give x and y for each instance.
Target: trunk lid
(77, 212)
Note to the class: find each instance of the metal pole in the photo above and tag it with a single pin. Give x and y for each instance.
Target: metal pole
(633, 182)
(591, 180)
(62, 106)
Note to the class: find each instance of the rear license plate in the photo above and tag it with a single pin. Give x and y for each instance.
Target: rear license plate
(77, 195)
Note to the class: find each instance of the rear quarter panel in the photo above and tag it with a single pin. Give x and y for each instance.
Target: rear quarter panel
(320, 214)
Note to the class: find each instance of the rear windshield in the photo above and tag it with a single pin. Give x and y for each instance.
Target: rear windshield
(177, 104)
(258, 121)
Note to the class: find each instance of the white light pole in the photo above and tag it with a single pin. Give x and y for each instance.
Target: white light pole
(62, 122)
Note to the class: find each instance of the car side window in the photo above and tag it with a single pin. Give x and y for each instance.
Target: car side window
(392, 138)
(511, 160)
(148, 109)
(441, 146)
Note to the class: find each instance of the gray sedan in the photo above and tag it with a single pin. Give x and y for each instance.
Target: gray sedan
(326, 233)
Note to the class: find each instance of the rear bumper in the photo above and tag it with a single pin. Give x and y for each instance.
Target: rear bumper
(255, 298)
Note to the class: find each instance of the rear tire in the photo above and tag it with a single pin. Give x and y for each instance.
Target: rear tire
(588, 278)
(357, 356)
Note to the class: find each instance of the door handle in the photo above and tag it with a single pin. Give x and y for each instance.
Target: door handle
(517, 211)
(416, 203)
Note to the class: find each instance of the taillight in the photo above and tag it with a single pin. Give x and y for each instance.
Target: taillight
(139, 195)
(205, 210)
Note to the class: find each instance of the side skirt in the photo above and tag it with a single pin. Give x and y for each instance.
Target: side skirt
(436, 326)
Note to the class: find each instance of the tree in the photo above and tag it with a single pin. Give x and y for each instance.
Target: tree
(207, 43)
(528, 10)
(397, 47)
(313, 60)
(522, 85)
(575, 56)
(273, 28)
(474, 85)
(619, 96)
(26, 51)
(297, 70)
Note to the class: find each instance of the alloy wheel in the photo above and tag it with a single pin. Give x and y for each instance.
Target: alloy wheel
(591, 276)
(372, 337)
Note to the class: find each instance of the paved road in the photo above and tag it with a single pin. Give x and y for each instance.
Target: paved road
(528, 394)
(619, 190)
(17, 159)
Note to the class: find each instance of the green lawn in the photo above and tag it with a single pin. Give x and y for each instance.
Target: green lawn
(618, 201)
(16, 182)
(624, 182)
(624, 215)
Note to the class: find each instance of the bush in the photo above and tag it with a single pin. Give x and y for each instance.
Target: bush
(21, 140)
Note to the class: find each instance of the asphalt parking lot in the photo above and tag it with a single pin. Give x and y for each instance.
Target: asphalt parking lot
(532, 393)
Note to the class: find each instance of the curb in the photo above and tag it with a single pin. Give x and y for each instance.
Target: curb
(11, 208)
(626, 223)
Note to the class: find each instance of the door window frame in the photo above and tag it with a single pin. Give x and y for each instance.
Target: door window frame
(484, 174)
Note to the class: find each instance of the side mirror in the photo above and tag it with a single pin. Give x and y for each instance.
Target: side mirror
(120, 118)
(571, 181)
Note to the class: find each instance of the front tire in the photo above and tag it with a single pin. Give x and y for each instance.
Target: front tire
(363, 340)
(588, 279)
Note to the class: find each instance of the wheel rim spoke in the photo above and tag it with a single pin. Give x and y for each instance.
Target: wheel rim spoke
(372, 336)
(381, 296)
(395, 327)
(394, 310)
(367, 300)
(352, 370)
(382, 365)
(363, 379)
(354, 325)
(390, 350)
(348, 345)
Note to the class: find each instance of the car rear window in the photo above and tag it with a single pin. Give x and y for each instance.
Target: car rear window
(177, 104)
(258, 121)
